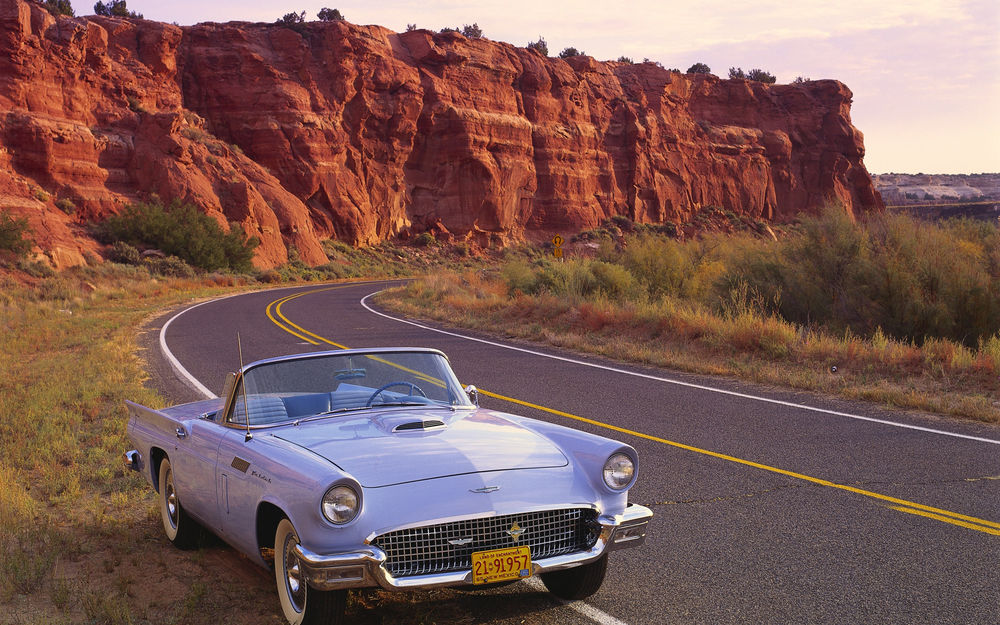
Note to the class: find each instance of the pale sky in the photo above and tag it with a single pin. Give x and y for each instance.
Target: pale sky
(925, 73)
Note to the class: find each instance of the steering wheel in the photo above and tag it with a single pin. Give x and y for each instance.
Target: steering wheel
(378, 391)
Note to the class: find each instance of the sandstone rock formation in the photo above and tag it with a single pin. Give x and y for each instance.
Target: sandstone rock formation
(332, 130)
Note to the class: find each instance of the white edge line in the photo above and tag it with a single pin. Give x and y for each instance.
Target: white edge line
(702, 387)
(178, 368)
(587, 610)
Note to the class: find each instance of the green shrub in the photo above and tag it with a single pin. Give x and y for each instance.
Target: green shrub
(699, 68)
(171, 266)
(472, 31)
(121, 252)
(761, 76)
(58, 7)
(330, 15)
(291, 19)
(571, 51)
(12, 233)
(66, 205)
(424, 239)
(183, 231)
(539, 45)
(115, 8)
(626, 59)
(895, 274)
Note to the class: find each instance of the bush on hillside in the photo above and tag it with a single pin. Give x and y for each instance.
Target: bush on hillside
(699, 68)
(12, 233)
(571, 51)
(184, 231)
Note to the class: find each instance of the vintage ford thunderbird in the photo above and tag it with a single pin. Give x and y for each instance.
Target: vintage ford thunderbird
(374, 468)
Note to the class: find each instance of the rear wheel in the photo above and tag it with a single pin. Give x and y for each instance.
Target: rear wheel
(181, 529)
(301, 604)
(578, 582)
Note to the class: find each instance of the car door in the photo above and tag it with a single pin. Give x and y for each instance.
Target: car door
(194, 460)
(241, 483)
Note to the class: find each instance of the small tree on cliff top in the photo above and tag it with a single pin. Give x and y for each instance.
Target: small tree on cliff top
(571, 51)
(472, 31)
(57, 7)
(539, 45)
(761, 76)
(116, 8)
(699, 68)
(290, 19)
(330, 15)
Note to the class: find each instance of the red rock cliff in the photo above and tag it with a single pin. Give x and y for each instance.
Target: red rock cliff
(360, 134)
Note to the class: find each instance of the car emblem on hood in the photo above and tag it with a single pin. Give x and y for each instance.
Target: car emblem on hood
(484, 489)
(515, 532)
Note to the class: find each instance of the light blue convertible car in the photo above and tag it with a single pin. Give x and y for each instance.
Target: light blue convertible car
(374, 468)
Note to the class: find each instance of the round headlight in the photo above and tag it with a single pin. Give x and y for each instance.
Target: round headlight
(340, 504)
(618, 471)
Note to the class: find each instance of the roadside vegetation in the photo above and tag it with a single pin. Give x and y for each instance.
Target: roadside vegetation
(906, 311)
(892, 310)
(80, 539)
(74, 527)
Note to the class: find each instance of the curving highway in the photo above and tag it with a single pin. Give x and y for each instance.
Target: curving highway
(771, 506)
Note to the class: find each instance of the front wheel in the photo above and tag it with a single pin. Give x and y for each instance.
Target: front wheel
(181, 529)
(301, 604)
(578, 582)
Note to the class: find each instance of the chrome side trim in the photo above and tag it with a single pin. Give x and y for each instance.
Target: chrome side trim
(364, 568)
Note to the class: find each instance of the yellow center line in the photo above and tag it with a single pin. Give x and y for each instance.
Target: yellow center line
(931, 512)
(902, 505)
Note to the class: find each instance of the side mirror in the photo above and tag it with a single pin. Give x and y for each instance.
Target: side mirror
(473, 394)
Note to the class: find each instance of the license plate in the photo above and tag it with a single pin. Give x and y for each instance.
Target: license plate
(501, 565)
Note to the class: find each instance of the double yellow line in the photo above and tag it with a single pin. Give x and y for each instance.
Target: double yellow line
(275, 314)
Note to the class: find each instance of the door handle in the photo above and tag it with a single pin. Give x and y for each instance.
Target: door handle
(181, 433)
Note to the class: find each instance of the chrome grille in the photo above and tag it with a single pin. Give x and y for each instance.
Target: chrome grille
(449, 546)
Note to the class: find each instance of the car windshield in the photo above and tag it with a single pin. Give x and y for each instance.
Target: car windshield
(323, 384)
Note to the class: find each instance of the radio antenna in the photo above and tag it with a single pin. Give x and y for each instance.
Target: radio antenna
(243, 385)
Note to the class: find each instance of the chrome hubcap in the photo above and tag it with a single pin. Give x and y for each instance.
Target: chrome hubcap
(171, 499)
(293, 576)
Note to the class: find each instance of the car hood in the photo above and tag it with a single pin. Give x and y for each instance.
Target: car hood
(399, 446)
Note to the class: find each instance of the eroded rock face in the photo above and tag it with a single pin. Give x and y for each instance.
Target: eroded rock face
(360, 134)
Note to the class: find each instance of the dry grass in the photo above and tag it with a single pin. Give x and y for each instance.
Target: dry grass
(70, 517)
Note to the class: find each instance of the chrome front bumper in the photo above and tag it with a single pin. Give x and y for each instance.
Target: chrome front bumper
(363, 568)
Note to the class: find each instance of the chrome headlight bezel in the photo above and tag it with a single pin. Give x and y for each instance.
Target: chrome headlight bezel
(341, 504)
(618, 471)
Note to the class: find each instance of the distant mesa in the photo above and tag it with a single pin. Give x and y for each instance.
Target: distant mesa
(908, 189)
(358, 133)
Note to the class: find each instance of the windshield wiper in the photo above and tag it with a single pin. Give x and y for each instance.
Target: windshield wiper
(400, 403)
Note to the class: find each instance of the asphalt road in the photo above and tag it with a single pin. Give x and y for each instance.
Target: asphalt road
(765, 512)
